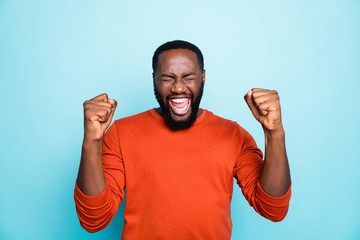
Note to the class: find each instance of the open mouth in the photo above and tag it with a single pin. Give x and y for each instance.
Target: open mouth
(180, 106)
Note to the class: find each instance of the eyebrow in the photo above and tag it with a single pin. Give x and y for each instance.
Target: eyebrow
(188, 74)
(167, 75)
(171, 76)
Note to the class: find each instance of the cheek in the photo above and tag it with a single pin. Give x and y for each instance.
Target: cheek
(195, 89)
(162, 90)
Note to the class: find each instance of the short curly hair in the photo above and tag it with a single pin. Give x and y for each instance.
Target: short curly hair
(177, 44)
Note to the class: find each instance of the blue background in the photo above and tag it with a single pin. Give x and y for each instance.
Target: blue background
(56, 54)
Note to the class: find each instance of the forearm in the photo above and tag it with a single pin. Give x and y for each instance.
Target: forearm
(275, 178)
(91, 179)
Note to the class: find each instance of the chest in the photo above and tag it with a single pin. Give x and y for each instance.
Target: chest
(198, 157)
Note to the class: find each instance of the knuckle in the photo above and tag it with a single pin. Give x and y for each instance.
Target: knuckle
(88, 114)
(103, 112)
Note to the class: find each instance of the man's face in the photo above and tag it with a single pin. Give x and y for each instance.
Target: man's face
(178, 85)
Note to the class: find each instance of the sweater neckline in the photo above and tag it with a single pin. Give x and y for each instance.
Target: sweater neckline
(199, 120)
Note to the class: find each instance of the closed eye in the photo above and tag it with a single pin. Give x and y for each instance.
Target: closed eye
(189, 76)
(166, 79)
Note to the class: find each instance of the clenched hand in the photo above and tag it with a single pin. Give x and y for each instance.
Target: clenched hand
(98, 114)
(265, 106)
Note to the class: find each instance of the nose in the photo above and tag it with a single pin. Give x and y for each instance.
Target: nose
(178, 86)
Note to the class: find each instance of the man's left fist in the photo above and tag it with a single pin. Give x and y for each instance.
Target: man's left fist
(265, 106)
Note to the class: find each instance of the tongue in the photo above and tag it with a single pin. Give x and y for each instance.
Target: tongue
(180, 108)
(180, 105)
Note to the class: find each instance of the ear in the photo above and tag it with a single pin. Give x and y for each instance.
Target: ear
(203, 76)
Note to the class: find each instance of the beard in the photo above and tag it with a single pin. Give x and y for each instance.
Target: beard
(165, 110)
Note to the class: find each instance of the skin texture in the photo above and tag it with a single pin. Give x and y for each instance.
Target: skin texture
(265, 106)
(98, 113)
(179, 74)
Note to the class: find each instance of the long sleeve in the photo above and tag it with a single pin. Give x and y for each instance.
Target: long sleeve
(248, 168)
(96, 212)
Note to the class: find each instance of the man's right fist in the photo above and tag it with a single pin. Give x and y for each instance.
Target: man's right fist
(98, 113)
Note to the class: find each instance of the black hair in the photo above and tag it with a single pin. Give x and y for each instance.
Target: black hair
(177, 44)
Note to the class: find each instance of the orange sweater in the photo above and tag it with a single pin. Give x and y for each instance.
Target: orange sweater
(179, 184)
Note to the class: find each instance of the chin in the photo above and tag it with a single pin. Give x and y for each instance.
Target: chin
(181, 118)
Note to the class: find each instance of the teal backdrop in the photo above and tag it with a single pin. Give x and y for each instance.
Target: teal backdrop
(56, 54)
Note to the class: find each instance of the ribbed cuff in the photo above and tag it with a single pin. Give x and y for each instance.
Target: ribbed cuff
(274, 201)
(91, 201)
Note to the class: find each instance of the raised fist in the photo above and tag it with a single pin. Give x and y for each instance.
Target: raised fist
(98, 113)
(265, 106)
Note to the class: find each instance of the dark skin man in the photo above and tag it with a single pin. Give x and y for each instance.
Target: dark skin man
(178, 80)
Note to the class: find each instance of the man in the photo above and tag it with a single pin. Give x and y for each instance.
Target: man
(178, 162)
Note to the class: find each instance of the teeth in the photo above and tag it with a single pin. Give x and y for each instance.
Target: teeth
(179, 100)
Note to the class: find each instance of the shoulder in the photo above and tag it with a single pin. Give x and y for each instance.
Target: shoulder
(215, 119)
(225, 124)
(220, 121)
(133, 119)
(133, 124)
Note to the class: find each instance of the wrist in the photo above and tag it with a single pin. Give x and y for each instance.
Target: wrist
(274, 136)
(91, 142)
(279, 131)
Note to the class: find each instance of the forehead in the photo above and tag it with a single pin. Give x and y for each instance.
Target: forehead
(178, 59)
